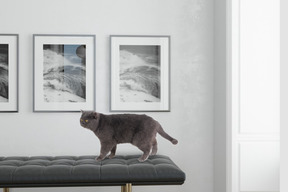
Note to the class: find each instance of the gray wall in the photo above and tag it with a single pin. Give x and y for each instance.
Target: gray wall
(219, 95)
(190, 25)
(284, 95)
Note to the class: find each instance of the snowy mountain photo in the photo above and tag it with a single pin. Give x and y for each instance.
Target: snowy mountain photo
(4, 85)
(64, 73)
(139, 73)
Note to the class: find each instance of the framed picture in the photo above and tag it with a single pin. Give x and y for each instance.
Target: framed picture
(64, 73)
(140, 73)
(9, 72)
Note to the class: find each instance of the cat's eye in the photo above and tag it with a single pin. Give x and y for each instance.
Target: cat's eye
(81, 120)
(86, 121)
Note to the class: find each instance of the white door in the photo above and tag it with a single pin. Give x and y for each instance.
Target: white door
(253, 95)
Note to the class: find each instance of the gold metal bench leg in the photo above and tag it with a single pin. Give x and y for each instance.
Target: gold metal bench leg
(5, 189)
(123, 188)
(126, 188)
(129, 187)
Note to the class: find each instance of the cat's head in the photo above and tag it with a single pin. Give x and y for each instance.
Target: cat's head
(88, 119)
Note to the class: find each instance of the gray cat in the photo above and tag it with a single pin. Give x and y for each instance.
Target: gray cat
(139, 130)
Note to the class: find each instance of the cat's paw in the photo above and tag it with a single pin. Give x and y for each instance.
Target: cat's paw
(98, 159)
(141, 159)
(111, 156)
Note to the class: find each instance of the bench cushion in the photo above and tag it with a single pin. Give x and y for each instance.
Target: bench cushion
(58, 171)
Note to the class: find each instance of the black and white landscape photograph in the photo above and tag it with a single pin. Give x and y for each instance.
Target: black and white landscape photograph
(4, 69)
(64, 73)
(140, 73)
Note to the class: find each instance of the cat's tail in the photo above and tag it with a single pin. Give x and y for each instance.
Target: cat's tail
(166, 136)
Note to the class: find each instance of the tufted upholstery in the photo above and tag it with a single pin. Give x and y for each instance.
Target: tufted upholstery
(85, 171)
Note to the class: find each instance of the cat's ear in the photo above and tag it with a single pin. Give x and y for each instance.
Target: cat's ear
(95, 114)
(81, 111)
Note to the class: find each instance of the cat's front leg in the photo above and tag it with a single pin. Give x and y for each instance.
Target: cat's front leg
(105, 148)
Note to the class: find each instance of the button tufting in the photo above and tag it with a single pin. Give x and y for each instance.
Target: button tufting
(84, 170)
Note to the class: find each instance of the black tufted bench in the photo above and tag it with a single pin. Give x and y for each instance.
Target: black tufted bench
(67, 171)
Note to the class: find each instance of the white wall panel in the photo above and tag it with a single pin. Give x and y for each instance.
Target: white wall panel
(259, 68)
(284, 97)
(253, 86)
(259, 166)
